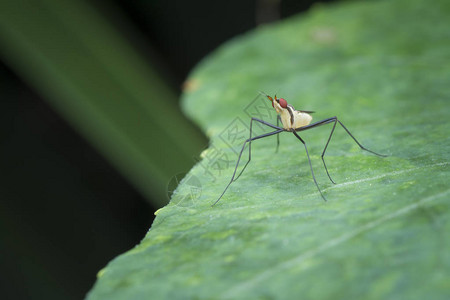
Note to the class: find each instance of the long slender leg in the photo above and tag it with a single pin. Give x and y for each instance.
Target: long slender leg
(361, 146)
(240, 154)
(250, 143)
(334, 120)
(324, 149)
(278, 136)
(310, 165)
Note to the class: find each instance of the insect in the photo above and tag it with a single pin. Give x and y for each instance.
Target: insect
(293, 121)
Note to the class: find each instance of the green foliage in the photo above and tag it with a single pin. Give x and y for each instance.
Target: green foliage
(382, 67)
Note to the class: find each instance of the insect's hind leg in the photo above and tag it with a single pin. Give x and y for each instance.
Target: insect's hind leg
(310, 165)
(335, 120)
(240, 155)
(317, 124)
(250, 139)
(361, 146)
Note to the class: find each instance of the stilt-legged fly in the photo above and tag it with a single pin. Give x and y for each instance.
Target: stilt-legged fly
(293, 121)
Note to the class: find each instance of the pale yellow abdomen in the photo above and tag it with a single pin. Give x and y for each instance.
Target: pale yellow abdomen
(301, 119)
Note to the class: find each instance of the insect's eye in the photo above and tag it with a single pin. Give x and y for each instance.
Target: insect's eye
(283, 103)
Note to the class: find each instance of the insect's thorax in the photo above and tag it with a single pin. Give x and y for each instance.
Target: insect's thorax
(292, 118)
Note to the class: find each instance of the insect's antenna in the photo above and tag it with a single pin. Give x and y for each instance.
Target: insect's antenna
(268, 97)
(278, 120)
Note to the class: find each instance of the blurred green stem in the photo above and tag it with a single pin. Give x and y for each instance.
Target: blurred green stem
(110, 94)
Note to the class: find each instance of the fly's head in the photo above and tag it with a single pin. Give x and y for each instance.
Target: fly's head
(278, 103)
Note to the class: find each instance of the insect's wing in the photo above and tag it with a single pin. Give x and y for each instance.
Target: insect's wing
(302, 111)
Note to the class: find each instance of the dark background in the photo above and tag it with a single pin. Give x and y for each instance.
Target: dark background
(54, 184)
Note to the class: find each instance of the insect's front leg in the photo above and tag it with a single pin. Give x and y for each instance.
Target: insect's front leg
(250, 140)
(242, 150)
(278, 136)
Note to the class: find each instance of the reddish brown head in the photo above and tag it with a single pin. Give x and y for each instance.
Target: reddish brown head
(281, 101)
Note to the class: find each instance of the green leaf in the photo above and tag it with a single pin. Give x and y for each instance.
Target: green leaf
(382, 67)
